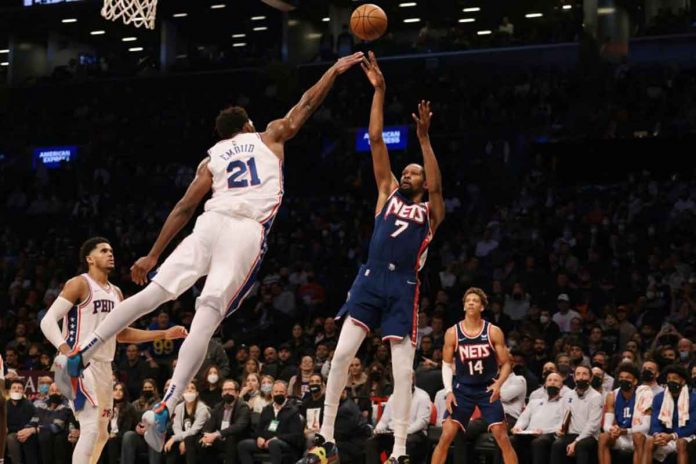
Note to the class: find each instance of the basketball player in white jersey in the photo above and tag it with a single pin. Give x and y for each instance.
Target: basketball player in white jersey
(244, 171)
(83, 303)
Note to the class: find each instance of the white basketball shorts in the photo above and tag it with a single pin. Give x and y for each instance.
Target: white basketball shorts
(97, 385)
(227, 249)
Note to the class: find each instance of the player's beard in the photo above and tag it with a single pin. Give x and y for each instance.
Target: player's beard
(406, 190)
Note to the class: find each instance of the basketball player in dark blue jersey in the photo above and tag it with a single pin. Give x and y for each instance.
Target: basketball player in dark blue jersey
(385, 292)
(482, 364)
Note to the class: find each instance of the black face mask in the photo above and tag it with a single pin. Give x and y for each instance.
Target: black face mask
(55, 399)
(376, 376)
(625, 385)
(647, 375)
(314, 389)
(596, 382)
(674, 387)
(229, 399)
(552, 391)
(147, 394)
(518, 370)
(582, 384)
(563, 369)
(545, 374)
(279, 399)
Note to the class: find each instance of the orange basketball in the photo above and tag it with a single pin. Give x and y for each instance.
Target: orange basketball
(368, 22)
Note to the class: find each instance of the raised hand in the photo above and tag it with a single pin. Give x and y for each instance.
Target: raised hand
(347, 62)
(423, 119)
(372, 71)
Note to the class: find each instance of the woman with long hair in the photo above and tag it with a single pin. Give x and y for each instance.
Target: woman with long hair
(189, 417)
(123, 419)
(299, 384)
(211, 386)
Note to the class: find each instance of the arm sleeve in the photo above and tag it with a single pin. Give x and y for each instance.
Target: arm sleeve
(512, 388)
(608, 421)
(447, 374)
(176, 423)
(240, 423)
(422, 417)
(49, 324)
(523, 421)
(594, 421)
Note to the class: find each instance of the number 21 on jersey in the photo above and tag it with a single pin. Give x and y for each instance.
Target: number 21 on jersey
(238, 171)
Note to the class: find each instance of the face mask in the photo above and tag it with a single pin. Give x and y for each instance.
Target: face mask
(375, 375)
(582, 384)
(544, 319)
(563, 369)
(189, 397)
(55, 399)
(229, 399)
(596, 382)
(625, 385)
(43, 389)
(147, 394)
(279, 399)
(314, 389)
(684, 355)
(266, 389)
(552, 391)
(16, 396)
(518, 370)
(213, 378)
(647, 375)
(674, 387)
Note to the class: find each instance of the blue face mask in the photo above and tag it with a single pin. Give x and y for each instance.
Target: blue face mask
(43, 389)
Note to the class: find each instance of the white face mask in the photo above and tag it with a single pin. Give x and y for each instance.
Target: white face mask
(190, 397)
(213, 378)
(16, 396)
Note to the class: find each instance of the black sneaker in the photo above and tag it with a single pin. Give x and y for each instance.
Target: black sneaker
(405, 459)
(321, 453)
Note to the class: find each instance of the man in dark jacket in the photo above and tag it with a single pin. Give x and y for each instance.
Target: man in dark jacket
(22, 425)
(351, 430)
(228, 424)
(136, 368)
(53, 415)
(280, 429)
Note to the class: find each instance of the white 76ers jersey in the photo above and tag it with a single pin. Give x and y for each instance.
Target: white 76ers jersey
(84, 318)
(247, 178)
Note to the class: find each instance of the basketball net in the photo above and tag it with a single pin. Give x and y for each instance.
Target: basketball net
(139, 13)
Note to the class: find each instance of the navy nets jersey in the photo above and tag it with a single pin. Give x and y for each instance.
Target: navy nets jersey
(402, 233)
(475, 360)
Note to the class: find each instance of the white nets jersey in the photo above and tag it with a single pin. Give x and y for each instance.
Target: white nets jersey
(247, 178)
(84, 318)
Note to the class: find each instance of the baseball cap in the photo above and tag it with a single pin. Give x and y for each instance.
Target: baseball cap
(564, 297)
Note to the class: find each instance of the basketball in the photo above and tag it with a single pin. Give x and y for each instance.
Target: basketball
(368, 22)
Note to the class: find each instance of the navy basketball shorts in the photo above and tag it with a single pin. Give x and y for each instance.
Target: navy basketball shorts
(470, 396)
(385, 296)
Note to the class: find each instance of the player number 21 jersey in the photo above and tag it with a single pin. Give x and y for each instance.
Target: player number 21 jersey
(475, 359)
(247, 178)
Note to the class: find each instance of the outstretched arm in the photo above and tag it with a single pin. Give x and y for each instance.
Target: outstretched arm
(380, 155)
(281, 130)
(177, 219)
(432, 169)
(137, 336)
